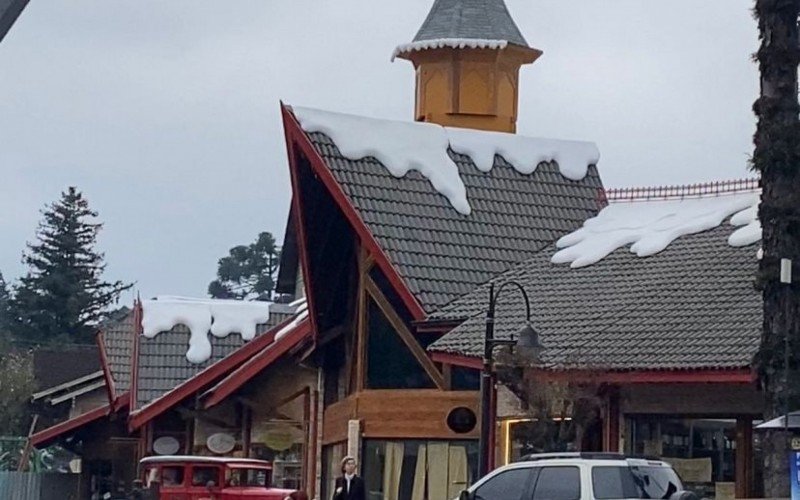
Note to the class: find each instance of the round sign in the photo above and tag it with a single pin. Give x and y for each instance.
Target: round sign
(221, 443)
(461, 420)
(166, 445)
(280, 439)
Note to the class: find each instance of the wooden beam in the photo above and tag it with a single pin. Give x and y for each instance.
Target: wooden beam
(447, 373)
(405, 334)
(744, 457)
(361, 320)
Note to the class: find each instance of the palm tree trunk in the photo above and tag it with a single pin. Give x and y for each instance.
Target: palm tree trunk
(777, 158)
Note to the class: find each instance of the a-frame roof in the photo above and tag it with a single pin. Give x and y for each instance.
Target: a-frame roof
(470, 19)
(439, 253)
(9, 12)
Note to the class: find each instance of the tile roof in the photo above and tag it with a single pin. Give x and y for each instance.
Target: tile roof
(470, 19)
(163, 364)
(692, 306)
(118, 336)
(55, 366)
(442, 254)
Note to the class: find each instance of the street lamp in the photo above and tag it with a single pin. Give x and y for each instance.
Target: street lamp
(528, 342)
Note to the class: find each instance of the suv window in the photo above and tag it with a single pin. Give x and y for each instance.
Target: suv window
(634, 482)
(508, 485)
(558, 483)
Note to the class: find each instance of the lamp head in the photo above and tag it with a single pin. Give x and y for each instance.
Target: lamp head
(528, 343)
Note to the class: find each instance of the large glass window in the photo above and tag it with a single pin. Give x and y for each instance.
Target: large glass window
(558, 483)
(634, 482)
(418, 470)
(390, 364)
(510, 485)
(702, 451)
(331, 467)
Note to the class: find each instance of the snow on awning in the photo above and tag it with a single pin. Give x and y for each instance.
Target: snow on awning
(649, 226)
(201, 316)
(452, 43)
(402, 146)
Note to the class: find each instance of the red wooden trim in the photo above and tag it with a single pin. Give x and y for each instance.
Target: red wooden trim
(297, 137)
(137, 326)
(300, 227)
(50, 434)
(456, 360)
(205, 377)
(255, 365)
(111, 388)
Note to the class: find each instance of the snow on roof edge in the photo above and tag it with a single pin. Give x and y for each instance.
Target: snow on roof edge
(359, 137)
(453, 43)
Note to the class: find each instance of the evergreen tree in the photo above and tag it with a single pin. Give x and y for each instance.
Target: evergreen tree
(777, 158)
(5, 314)
(248, 272)
(63, 296)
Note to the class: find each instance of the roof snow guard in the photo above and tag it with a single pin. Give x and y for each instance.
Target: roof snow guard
(485, 24)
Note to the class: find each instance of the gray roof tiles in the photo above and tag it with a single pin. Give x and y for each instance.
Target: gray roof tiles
(118, 336)
(692, 306)
(442, 254)
(472, 19)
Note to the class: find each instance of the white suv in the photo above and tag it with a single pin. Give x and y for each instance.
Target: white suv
(579, 476)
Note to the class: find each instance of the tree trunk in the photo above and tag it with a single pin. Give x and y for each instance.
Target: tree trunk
(777, 158)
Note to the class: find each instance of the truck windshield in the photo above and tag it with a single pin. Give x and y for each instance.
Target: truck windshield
(243, 477)
(611, 482)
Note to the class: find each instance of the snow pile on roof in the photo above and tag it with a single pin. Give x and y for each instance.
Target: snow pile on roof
(453, 43)
(300, 315)
(201, 316)
(403, 146)
(650, 226)
(524, 153)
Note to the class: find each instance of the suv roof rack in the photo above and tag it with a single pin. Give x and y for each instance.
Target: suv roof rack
(587, 455)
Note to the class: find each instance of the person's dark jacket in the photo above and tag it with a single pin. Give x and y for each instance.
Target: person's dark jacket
(356, 491)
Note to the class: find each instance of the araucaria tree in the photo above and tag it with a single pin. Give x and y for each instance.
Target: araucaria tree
(248, 271)
(777, 158)
(63, 296)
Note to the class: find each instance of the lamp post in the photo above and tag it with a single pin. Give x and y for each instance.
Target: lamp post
(528, 341)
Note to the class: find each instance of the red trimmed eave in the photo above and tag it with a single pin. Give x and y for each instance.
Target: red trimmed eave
(696, 376)
(202, 379)
(256, 364)
(296, 137)
(47, 436)
(111, 388)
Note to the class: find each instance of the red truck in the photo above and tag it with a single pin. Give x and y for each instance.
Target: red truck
(210, 478)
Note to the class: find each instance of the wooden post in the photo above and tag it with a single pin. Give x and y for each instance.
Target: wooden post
(744, 456)
(26, 452)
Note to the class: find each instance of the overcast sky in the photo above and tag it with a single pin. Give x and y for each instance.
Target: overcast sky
(166, 114)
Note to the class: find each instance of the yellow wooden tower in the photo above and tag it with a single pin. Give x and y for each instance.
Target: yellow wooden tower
(467, 57)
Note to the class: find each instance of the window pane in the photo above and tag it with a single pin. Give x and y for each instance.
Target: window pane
(201, 476)
(390, 364)
(558, 483)
(171, 476)
(509, 485)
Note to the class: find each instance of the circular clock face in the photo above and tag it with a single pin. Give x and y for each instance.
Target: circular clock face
(461, 420)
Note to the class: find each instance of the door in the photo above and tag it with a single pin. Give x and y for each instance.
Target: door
(205, 482)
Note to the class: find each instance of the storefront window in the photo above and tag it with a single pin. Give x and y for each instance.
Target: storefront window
(702, 451)
(281, 443)
(417, 470)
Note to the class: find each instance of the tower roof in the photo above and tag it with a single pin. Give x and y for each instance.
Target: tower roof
(470, 19)
(466, 23)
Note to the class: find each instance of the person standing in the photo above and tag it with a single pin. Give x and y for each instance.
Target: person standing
(349, 486)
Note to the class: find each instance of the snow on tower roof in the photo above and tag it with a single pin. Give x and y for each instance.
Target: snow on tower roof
(404, 146)
(466, 24)
(649, 220)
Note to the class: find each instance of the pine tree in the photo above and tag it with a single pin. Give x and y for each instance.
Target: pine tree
(5, 314)
(63, 296)
(777, 158)
(248, 271)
